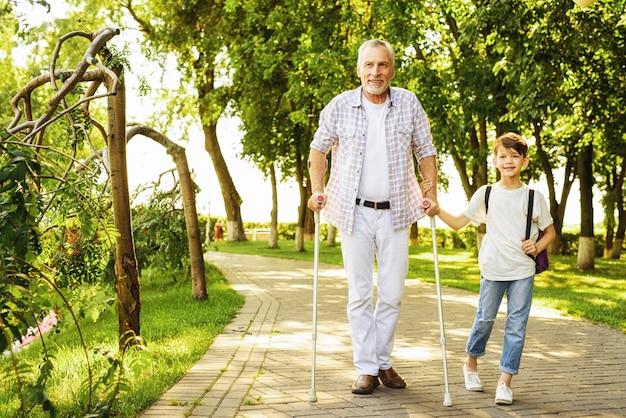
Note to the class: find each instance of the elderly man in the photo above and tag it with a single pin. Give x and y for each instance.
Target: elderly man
(373, 197)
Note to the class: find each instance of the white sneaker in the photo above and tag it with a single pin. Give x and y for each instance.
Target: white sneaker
(504, 396)
(472, 381)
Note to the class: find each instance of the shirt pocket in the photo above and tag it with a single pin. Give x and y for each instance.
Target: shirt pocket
(402, 134)
(346, 133)
(347, 140)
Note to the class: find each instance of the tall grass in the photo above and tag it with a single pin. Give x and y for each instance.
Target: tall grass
(598, 295)
(177, 330)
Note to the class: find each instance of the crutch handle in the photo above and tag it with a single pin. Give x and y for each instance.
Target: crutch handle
(425, 203)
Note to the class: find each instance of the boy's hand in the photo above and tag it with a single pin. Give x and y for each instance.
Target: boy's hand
(426, 186)
(529, 247)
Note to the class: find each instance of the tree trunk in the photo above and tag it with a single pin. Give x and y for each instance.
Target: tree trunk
(332, 236)
(557, 210)
(586, 253)
(126, 270)
(586, 248)
(273, 238)
(196, 256)
(302, 209)
(188, 191)
(232, 200)
(414, 234)
(298, 245)
(610, 226)
(616, 251)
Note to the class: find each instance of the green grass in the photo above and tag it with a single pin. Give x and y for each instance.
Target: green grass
(598, 295)
(176, 329)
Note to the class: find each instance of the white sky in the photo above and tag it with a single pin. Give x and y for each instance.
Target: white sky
(147, 159)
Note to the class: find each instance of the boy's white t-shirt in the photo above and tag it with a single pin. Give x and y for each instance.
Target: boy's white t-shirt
(501, 257)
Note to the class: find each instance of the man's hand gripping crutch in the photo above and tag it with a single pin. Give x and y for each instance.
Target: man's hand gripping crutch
(432, 208)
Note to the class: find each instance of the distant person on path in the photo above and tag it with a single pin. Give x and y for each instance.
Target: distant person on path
(503, 259)
(218, 231)
(372, 198)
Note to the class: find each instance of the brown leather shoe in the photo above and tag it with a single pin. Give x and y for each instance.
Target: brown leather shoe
(365, 384)
(391, 379)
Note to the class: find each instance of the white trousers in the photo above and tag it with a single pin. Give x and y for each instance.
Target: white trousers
(372, 329)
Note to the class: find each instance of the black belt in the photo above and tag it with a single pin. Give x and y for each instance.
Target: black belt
(376, 205)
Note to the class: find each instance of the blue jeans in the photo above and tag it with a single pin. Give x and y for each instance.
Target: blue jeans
(519, 295)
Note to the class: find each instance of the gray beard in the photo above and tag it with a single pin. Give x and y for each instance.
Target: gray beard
(375, 92)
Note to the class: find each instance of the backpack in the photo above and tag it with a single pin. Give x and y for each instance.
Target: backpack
(541, 259)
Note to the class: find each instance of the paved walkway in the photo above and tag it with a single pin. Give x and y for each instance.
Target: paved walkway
(261, 365)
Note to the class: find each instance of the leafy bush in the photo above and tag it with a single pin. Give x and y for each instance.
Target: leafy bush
(160, 231)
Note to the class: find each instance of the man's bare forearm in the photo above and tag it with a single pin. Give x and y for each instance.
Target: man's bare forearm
(428, 171)
(317, 171)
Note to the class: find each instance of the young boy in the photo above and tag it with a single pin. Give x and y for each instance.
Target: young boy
(505, 265)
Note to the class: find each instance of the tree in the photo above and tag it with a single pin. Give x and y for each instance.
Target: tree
(484, 68)
(126, 268)
(447, 59)
(604, 106)
(196, 257)
(198, 30)
(598, 92)
(33, 130)
(303, 54)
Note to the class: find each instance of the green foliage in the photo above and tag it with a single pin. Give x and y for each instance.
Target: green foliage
(80, 252)
(302, 51)
(286, 231)
(19, 204)
(123, 368)
(463, 239)
(160, 231)
(57, 237)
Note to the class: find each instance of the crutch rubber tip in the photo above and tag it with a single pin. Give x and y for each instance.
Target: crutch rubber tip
(447, 400)
(312, 397)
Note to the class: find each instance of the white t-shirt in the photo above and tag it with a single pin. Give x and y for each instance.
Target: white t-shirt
(374, 183)
(501, 257)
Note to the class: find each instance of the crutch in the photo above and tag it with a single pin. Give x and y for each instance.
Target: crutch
(447, 399)
(316, 255)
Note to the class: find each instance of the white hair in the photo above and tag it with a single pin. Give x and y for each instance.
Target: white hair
(376, 43)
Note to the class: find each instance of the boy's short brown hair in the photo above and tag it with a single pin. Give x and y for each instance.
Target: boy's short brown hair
(511, 140)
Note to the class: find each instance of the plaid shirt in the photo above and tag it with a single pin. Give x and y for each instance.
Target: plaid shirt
(343, 129)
